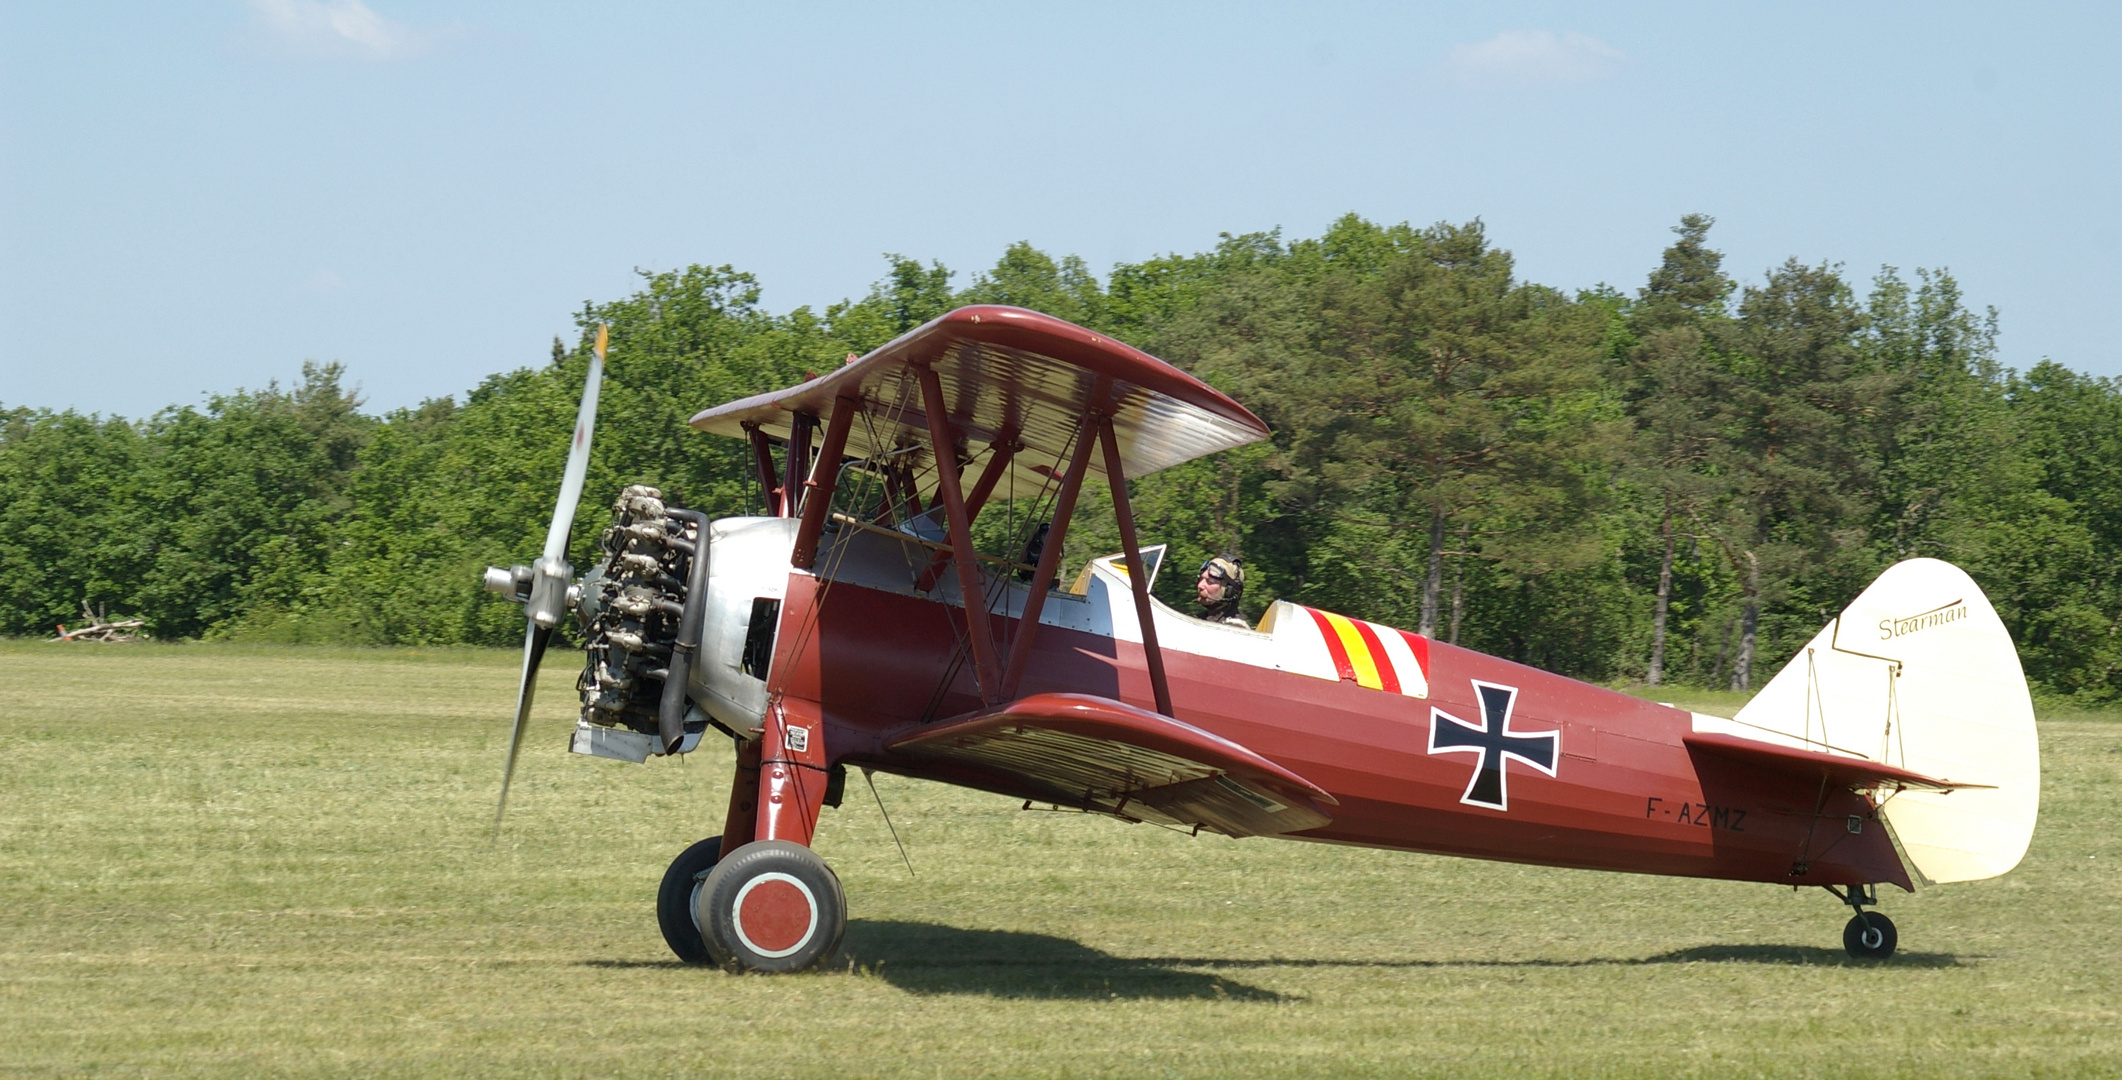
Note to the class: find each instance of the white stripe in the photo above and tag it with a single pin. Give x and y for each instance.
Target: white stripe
(1300, 645)
(1413, 683)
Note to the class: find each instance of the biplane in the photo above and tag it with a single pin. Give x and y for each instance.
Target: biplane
(878, 615)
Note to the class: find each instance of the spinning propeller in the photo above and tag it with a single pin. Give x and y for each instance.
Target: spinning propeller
(544, 586)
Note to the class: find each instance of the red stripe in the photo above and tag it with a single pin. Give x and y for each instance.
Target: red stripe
(1333, 646)
(1378, 659)
(1420, 646)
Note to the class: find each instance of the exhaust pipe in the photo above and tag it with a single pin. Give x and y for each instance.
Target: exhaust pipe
(670, 710)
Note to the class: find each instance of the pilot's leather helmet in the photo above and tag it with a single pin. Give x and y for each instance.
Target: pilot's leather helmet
(1228, 570)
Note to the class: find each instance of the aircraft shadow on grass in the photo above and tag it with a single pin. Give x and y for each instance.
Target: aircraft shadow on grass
(1789, 955)
(930, 958)
(1795, 956)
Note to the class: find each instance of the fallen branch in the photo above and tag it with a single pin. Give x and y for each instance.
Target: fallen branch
(102, 628)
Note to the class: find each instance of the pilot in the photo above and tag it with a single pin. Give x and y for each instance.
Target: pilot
(1034, 548)
(1222, 583)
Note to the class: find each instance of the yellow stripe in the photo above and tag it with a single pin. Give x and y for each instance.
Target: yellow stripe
(1358, 653)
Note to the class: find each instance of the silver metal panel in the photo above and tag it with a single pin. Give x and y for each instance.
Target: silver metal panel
(747, 559)
(619, 744)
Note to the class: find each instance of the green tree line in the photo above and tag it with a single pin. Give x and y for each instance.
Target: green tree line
(1677, 483)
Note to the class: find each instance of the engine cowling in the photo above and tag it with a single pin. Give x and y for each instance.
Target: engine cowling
(740, 618)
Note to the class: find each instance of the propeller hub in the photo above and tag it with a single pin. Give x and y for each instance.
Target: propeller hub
(550, 584)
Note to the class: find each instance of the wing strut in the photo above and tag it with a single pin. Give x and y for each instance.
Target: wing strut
(798, 463)
(961, 537)
(1020, 650)
(1000, 453)
(824, 477)
(763, 463)
(1117, 477)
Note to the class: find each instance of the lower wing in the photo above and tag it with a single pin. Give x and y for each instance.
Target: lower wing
(1105, 756)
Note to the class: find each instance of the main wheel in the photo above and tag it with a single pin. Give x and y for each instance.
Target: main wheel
(675, 900)
(771, 906)
(1869, 936)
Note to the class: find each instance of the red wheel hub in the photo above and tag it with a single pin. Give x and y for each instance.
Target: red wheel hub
(775, 914)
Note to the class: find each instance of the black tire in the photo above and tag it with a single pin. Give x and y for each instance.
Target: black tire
(1875, 941)
(674, 900)
(790, 898)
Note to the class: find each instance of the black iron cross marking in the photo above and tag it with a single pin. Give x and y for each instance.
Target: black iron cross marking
(1494, 741)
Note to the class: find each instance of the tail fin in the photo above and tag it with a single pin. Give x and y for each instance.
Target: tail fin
(1918, 672)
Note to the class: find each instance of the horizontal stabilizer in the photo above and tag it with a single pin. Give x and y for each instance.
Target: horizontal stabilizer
(1838, 770)
(1098, 754)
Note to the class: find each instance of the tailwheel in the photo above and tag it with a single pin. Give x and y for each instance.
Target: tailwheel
(678, 896)
(1869, 936)
(771, 906)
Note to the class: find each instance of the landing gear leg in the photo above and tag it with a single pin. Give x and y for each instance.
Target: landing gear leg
(1868, 935)
(771, 904)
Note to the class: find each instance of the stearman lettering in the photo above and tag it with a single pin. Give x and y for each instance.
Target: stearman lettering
(1890, 629)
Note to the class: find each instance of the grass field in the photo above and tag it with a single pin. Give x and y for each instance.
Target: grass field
(228, 861)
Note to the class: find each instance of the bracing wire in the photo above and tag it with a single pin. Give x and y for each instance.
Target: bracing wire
(994, 589)
(1020, 533)
(961, 649)
(871, 780)
(805, 632)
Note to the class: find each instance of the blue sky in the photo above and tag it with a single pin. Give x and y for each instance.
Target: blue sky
(197, 197)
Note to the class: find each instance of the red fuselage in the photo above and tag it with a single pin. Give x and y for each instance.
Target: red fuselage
(1625, 793)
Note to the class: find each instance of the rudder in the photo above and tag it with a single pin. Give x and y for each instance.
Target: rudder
(1919, 672)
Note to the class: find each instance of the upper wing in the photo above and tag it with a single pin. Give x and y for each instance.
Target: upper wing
(1009, 373)
(1099, 754)
(1838, 770)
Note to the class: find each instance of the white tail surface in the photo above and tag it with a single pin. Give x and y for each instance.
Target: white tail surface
(1920, 673)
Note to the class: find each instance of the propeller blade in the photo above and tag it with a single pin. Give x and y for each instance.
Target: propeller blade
(535, 638)
(550, 575)
(577, 454)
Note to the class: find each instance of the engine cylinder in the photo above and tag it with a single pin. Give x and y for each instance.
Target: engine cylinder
(632, 609)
